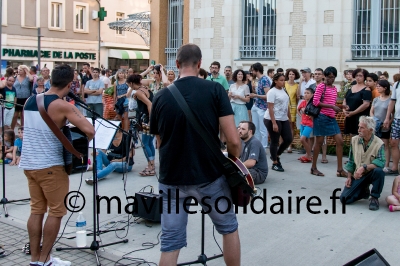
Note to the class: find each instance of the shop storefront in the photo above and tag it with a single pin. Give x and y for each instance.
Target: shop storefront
(137, 60)
(15, 56)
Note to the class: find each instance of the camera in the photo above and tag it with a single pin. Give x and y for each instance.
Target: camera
(157, 68)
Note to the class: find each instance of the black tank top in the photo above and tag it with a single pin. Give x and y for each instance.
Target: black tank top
(142, 107)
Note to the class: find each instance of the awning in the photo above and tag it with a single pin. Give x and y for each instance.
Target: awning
(128, 54)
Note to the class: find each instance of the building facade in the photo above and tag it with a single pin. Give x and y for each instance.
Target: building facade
(119, 48)
(70, 34)
(286, 33)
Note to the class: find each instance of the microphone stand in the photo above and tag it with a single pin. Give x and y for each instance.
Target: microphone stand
(202, 258)
(4, 200)
(95, 246)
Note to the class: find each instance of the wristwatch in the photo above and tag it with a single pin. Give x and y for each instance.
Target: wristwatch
(365, 167)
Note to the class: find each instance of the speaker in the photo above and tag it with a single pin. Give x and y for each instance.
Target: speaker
(148, 206)
(369, 258)
(81, 144)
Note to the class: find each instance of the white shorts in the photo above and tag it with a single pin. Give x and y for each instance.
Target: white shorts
(8, 116)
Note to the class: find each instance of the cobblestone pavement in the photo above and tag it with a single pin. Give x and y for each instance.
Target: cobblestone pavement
(13, 238)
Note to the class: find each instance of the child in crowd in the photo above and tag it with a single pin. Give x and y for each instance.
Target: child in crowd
(17, 147)
(394, 200)
(306, 127)
(371, 83)
(9, 137)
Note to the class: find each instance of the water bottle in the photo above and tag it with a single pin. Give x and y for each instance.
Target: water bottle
(80, 231)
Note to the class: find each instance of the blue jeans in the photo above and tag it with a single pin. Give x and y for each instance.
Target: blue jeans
(148, 147)
(101, 159)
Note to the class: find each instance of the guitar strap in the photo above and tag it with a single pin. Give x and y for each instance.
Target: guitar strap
(64, 140)
(206, 136)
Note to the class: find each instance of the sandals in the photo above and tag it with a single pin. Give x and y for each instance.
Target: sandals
(316, 172)
(341, 173)
(304, 159)
(148, 172)
(324, 161)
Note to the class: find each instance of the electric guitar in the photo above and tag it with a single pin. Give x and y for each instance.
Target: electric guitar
(244, 190)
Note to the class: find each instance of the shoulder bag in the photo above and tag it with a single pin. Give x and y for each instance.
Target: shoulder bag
(313, 110)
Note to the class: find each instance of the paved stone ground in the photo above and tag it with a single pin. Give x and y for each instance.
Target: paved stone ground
(13, 238)
(296, 237)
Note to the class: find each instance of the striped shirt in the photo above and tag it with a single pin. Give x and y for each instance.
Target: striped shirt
(41, 148)
(329, 98)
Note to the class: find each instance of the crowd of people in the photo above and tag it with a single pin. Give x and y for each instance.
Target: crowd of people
(246, 111)
(271, 107)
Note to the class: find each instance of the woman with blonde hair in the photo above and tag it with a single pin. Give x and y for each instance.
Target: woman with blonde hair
(121, 102)
(291, 88)
(170, 76)
(23, 86)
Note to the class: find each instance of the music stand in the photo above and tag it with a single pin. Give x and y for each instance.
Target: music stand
(95, 246)
(202, 258)
(4, 200)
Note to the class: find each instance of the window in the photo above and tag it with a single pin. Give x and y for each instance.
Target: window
(56, 9)
(376, 29)
(80, 10)
(4, 13)
(258, 29)
(120, 16)
(56, 14)
(175, 32)
(30, 13)
(81, 17)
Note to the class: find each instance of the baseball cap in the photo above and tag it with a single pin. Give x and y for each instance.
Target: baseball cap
(306, 69)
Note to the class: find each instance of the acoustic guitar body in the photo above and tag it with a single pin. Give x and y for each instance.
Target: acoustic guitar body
(240, 196)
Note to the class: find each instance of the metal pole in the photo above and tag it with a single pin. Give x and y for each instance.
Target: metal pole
(39, 48)
(98, 63)
(1, 30)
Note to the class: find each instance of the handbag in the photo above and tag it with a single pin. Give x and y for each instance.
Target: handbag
(64, 136)
(240, 183)
(311, 109)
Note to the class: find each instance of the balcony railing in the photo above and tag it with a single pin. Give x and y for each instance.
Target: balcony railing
(257, 51)
(389, 51)
(171, 57)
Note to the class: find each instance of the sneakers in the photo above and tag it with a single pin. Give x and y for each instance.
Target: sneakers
(277, 167)
(373, 204)
(89, 181)
(52, 262)
(58, 262)
(391, 172)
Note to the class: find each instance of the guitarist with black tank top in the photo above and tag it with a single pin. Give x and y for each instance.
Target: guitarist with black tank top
(43, 163)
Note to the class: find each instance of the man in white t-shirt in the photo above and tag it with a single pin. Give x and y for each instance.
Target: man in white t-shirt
(105, 79)
(307, 82)
(394, 141)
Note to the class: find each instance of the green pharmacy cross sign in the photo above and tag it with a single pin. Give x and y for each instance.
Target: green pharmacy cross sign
(102, 14)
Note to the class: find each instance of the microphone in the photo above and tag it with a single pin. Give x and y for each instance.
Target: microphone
(75, 98)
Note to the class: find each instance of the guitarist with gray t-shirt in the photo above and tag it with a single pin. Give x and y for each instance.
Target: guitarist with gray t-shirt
(253, 154)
